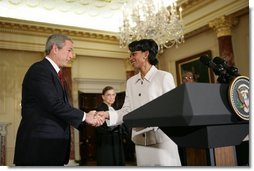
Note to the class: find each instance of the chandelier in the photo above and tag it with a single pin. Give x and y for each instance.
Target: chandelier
(152, 19)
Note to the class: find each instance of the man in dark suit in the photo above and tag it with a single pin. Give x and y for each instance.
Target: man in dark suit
(43, 137)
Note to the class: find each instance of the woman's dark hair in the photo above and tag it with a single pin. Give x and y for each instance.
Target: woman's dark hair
(106, 89)
(144, 45)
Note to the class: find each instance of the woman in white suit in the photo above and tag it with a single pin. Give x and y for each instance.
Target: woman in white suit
(153, 147)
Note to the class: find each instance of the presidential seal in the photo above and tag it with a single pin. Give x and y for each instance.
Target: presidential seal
(239, 97)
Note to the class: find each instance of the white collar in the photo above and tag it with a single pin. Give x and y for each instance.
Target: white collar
(148, 75)
(53, 64)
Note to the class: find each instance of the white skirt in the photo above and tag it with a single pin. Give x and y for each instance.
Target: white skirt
(162, 154)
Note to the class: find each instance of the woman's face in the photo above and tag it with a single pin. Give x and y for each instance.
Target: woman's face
(138, 58)
(109, 97)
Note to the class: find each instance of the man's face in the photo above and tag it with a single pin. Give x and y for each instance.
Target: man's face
(65, 54)
(188, 78)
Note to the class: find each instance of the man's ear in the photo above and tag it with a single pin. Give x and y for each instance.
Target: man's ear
(55, 48)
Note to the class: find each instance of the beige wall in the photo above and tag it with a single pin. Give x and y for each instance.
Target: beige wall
(194, 45)
(208, 41)
(241, 45)
(98, 67)
(13, 65)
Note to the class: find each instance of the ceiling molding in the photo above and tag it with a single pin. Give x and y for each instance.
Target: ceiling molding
(196, 18)
(30, 35)
(206, 27)
(196, 13)
(21, 35)
(34, 28)
(77, 13)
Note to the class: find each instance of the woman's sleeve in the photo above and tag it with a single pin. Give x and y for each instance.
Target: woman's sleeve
(116, 117)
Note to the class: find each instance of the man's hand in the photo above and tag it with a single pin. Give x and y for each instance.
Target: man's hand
(94, 119)
(103, 114)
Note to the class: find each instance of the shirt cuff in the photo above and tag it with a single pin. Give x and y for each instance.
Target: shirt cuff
(84, 117)
(112, 118)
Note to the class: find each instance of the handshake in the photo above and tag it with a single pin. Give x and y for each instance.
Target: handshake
(96, 118)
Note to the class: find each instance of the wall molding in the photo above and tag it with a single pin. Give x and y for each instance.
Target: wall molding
(88, 85)
(33, 28)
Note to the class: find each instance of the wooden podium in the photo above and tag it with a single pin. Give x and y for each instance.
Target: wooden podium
(197, 117)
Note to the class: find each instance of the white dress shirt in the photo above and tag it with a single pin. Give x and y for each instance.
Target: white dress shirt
(139, 92)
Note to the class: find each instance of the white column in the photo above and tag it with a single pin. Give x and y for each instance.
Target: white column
(3, 132)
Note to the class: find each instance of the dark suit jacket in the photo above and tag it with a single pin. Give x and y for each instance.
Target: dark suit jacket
(43, 136)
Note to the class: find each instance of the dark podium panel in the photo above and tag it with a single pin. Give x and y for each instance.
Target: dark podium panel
(193, 115)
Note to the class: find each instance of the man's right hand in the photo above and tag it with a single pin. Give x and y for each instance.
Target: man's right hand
(103, 114)
(94, 119)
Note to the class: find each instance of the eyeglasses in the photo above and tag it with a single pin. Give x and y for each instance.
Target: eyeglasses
(188, 78)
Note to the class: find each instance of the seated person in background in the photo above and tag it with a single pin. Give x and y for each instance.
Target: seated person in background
(188, 77)
(109, 142)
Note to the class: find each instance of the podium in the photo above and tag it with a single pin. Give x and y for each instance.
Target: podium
(194, 115)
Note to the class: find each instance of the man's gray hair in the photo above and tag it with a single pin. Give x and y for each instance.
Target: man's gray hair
(58, 40)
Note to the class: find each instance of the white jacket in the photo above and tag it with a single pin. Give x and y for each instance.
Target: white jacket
(139, 92)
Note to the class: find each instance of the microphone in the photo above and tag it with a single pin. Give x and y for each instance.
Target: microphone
(233, 71)
(217, 69)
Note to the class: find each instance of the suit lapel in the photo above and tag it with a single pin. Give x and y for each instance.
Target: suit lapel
(53, 71)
